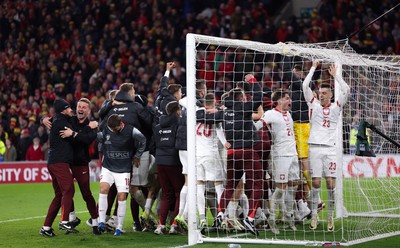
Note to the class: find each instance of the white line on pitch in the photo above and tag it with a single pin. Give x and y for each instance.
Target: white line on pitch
(35, 217)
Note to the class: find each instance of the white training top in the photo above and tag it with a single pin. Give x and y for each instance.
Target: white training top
(324, 120)
(280, 125)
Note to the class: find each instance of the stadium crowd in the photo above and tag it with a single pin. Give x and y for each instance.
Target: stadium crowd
(74, 49)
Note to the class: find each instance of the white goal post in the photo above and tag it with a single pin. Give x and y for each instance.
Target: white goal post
(368, 193)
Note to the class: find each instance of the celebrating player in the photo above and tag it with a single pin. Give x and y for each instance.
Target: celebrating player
(285, 164)
(324, 117)
(209, 166)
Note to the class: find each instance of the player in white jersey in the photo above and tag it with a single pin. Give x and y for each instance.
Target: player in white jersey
(324, 117)
(285, 168)
(209, 165)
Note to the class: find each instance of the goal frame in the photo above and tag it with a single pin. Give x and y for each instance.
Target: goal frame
(333, 55)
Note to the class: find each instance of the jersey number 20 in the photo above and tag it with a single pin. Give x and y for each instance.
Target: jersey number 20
(206, 130)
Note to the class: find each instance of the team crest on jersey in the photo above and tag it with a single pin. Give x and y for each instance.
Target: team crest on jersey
(282, 176)
(326, 111)
(107, 141)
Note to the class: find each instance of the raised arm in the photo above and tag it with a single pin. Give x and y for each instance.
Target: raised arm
(343, 86)
(164, 79)
(255, 103)
(308, 94)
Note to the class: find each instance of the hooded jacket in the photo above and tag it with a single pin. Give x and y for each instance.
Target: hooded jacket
(164, 137)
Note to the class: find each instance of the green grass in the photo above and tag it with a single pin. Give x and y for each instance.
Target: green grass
(23, 207)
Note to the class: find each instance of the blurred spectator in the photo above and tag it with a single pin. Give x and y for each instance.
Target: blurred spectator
(3, 134)
(74, 49)
(2, 150)
(24, 143)
(11, 152)
(34, 152)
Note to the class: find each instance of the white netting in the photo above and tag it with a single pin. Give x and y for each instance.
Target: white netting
(368, 201)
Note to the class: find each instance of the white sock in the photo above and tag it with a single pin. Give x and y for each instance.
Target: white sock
(94, 222)
(244, 202)
(139, 197)
(121, 214)
(289, 199)
(72, 216)
(201, 201)
(219, 189)
(182, 199)
(147, 207)
(103, 204)
(275, 200)
(331, 202)
(46, 228)
(314, 201)
(232, 207)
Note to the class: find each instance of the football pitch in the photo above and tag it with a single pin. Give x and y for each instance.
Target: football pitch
(23, 208)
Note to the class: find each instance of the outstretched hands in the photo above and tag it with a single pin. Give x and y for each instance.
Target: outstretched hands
(332, 70)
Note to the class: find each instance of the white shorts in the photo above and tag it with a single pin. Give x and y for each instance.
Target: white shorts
(285, 169)
(121, 180)
(223, 153)
(184, 161)
(323, 161)
(153, 165)
(141, 174)
(209, 168)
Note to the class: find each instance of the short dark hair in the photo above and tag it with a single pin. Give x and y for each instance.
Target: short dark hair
(278, 94)
(200, 83)
(237, 94)
(172, 107)
(114, 121)
(209, 99)
(200, 86)
(173, 88)
(298, 67)
(325, 85)
(126, 87)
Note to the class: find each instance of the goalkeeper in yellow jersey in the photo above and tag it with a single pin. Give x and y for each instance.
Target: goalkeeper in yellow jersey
(299, 111)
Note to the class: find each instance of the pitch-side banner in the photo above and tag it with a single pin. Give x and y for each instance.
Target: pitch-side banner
(24, 172)
(381, 166)
(34, 172)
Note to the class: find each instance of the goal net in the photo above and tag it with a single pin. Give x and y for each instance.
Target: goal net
(368, 193)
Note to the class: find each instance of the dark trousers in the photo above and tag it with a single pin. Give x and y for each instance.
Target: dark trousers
(263, 148)
(243, 161)
(63, 185)
(81, 174)
(171, 182)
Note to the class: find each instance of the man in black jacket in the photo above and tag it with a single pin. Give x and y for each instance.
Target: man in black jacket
(168, 165)
(139, 116)
(58, 164)
(81, 158)
(241, 157)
